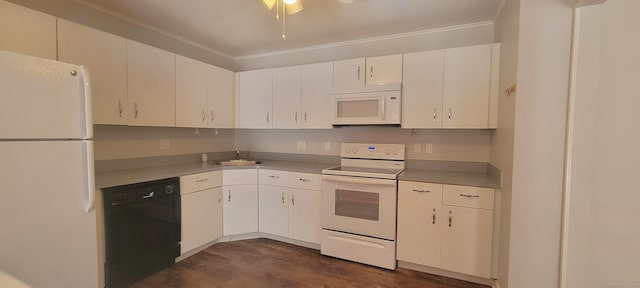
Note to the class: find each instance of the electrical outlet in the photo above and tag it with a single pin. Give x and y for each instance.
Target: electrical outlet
(327, 145)
(301, 145)
(428, 148)
(416, 148)
(165, 144)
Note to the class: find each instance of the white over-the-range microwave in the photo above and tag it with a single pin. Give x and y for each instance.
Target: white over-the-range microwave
(372, 105)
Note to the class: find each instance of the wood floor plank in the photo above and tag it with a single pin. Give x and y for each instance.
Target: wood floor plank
(267, 263)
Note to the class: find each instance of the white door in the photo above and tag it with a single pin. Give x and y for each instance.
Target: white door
(274, 210)
(384, 69)
(364, 206)
(220, 97)
(349, 75)
(42, 99)
(48, 239)
(467, 87)
(240, 209)
(316, 81)
(422, 77)
(304, 215)
(191, 93)
(255, 99)
(286, 98)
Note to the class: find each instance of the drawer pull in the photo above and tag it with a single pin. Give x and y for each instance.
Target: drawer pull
(274, 176)
(450, 218)
(433, 216)
(469, 196)
(421, 191)
(202, 180)
(304, 180)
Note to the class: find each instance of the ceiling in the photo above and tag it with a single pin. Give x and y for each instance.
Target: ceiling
(236, 28)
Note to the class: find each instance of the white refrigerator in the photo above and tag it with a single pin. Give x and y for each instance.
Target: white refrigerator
(47, 221)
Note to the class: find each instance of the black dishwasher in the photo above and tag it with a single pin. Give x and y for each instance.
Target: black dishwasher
(142, 230)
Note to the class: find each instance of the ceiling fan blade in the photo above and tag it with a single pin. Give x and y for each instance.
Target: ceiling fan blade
(294, 8)
(269, 3)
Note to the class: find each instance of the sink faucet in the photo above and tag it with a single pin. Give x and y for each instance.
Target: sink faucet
(237, 154)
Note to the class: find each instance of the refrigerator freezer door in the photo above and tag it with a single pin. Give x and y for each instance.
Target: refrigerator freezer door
(43, 99)
(47, 237)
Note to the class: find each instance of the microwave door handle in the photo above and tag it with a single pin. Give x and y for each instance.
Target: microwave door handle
(383, 109)
(358, 180)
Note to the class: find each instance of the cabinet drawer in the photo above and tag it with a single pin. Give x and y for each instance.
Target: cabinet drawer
(304, 181)
(239, 177)
(466, 196)
(273, 177)
(200, 181)
(420, 191)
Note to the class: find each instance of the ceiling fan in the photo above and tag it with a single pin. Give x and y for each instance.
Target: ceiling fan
(288, 7)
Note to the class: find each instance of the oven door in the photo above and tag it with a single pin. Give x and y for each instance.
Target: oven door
(358, 205)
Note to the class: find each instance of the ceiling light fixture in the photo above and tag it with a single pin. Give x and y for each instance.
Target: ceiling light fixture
(288, 7)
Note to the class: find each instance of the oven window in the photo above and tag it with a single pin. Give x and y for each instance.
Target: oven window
(357, 204)
(358, 109)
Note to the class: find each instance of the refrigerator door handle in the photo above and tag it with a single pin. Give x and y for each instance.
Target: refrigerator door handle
(86, 89)
(91, 187)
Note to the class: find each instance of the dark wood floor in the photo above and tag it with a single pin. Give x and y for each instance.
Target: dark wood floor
(268, 263)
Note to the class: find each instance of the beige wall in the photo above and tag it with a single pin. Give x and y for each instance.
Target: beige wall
(544, 49)
(507, 32)
(601, 235)
(450, 145)
(122, 142)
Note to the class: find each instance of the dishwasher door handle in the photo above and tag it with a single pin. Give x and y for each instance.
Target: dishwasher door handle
(148, 195)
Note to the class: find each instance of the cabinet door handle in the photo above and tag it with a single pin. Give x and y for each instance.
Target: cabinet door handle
(219, 196)
(202, 180)
(135, 110)
(204, 116)
(120, 108)
(469, 196)
(371, 73)
(450, 216)
(229, 199)
(449, 113)
(304, 180)
(267, 117)
(358, 72)
(296, 117)
(421, 191)
(282, 197)
(433, 216)
(434, 115)
(274, 176)
(305, 116)
(213, 116)
(293, 200)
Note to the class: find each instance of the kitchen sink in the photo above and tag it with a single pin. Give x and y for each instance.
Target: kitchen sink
(239, 162)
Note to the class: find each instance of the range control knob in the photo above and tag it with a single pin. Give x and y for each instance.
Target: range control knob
(387, 151)
(169, 189)
(395, 151)
(355, 150)
(347, 150)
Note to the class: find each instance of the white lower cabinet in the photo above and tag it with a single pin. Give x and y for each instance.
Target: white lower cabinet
(446, 226)
(290, 208)
(201, 206)
(240, 198)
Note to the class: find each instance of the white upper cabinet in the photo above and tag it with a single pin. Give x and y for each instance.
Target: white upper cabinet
(422, 89)
(105, 56)
(27, 31)
(451, 88)
(384, 70)
(316, 81)
(467, 87)
(191, 93)
(151, 85)
(354, 74)
(286, 98)
(254, 98)
(219, 97)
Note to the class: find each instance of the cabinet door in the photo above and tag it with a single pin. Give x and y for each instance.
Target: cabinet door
(316, 81)
(422, 89)
(191, 93)
(255, 99)
(286, 97)
(274, 210)
(105, 56)
(305, 215)
(384, 69)
(27, 31)
(466, 240)
(240, 209)
(467, 83)
(201, 221)
(151, 85)
(220, 97)
(348, 74)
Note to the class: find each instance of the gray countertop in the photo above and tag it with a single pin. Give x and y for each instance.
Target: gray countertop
(451, 177)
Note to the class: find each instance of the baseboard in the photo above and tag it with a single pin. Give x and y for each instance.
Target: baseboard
(496, 284)
(445, 273)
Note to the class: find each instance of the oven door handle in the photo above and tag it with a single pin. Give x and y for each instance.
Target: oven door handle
(359, 180)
